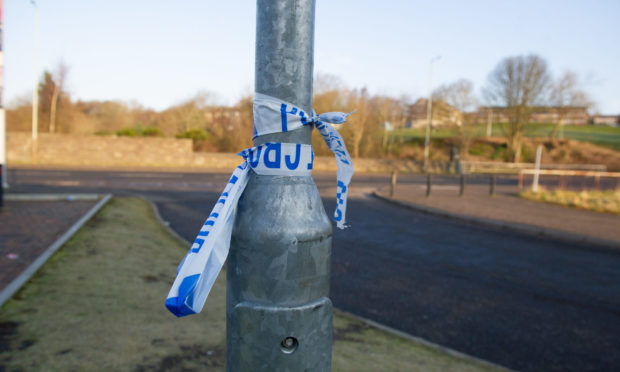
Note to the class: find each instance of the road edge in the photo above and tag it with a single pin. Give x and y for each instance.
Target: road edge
(23, 278)
(419, 340)
(166, 224)
(531, 230)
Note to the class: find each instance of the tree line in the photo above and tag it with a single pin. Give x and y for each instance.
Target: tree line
(517, 84)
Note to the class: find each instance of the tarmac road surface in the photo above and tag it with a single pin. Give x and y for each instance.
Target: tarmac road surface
(523, 302)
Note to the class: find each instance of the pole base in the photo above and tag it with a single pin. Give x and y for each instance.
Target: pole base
(273, 338)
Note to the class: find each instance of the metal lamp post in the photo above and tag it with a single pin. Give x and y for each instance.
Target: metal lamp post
(429, 108)
(35, 89)
(3, 183)
(279, 317)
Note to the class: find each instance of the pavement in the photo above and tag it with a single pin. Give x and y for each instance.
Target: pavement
(30, 224)
(506, 210)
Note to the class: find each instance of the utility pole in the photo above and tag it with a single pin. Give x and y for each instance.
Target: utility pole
(429, 108)
(35, 89)
(278, 315)
(3, 183)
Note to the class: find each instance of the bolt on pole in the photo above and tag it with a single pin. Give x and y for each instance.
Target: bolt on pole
(278, 314)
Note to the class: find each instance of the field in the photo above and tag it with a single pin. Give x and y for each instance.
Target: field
(600, 135)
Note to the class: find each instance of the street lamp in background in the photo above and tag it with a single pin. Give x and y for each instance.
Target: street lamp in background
(35, 91)
(429, 108)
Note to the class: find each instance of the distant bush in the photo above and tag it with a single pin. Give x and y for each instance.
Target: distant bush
(152, 132)
(194, 134)
(127, 132)
(138, 131)
(200, 138)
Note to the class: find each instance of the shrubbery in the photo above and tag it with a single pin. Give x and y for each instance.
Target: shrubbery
(138, 131)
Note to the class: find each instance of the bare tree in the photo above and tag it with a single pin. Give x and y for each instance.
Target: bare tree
(460, 95)
(59, 78)
(566, 96)
(518, 83)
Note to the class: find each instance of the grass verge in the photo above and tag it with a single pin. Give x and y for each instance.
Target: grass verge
(598, 201)
(98, 304)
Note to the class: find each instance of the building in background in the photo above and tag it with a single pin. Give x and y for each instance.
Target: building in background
(609, 120)
(442, 114)
(576, 115)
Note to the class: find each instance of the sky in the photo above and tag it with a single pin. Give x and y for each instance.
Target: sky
(159, 53)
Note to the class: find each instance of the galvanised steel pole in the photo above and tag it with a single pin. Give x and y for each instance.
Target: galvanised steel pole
(35, 89)
(3, 170)
(279, 316)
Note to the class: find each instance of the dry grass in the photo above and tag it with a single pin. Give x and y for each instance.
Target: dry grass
(599, 201)
(98, 305)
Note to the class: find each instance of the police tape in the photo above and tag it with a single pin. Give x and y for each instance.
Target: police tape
(272, 115)
(199, 268)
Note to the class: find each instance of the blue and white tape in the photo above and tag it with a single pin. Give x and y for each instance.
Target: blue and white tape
(201, 265)
(280, 159)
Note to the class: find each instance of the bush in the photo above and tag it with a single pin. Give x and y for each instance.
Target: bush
(200, 138)
(152, 132)
(194, 134)
(127, 132)
(138, 131)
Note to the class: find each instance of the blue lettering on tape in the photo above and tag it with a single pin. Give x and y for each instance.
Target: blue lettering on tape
(277, 149)
(254, 161)
(293, 165)
(311, 161)
(197, 245)
(283, 117)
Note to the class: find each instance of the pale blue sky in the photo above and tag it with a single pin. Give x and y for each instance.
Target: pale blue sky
(161, 52)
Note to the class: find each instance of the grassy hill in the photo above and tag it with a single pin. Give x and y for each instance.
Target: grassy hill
(599, 135)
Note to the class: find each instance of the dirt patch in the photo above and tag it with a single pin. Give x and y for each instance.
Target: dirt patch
(189, 358)
(347, 333)
(7, 332)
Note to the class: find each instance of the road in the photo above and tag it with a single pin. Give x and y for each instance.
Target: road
(525, 303)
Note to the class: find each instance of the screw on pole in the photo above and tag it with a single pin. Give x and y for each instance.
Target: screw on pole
(278, 314)
(429, 182)
(462, 185)
(393, 183)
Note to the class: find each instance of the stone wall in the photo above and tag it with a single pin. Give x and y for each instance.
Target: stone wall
(111, 151)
